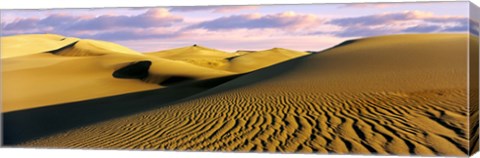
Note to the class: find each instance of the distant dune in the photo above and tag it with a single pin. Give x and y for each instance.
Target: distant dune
(248, 61)
(42, 70)
(237, 62)
(14, 46)
(197, 55)
(400, 94)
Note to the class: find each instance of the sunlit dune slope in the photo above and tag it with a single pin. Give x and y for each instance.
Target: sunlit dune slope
(84, 70)
(249, 61)
(402, 94)
(237, 62)
(197, 55)
(94, 47)
(473, 92)
(14, 46)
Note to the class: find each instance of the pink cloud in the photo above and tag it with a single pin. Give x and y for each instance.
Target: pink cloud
(215, 9)
(398, 22)
(368, 5)
(284, 20)
(66, 23)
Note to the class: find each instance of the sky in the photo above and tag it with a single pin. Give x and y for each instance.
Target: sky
(230, 28)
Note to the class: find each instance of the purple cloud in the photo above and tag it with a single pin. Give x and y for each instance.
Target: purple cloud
(151, 18)
(130, 35)
(393, 17)
(392, 23)
(253, 21)
(367, 5)
(215, 9)
(474, 27)
(361, 32)
(423, 28)
(65, 23)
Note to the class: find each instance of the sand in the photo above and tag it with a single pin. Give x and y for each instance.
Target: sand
(235, 62)
(53, 72)
(198, 55)
(13, 46)
(400, 94)
(248, 61)
(474, 94)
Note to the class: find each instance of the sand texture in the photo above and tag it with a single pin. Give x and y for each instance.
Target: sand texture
(84, 69)
(197, 55)
(20, 45)
(473, 93)
(399, 94)
(254, 60)
(236, 62)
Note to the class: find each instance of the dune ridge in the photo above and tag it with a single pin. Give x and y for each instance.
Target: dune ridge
(78, 69)
(248, 61)
(381, 95)
(20, 45)
(241, 61)
(70, 69)
(198, 55)
(86, 47)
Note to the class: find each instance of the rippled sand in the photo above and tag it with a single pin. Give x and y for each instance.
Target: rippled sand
(402, 94)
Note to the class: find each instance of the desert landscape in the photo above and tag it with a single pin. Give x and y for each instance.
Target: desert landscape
(395, 94)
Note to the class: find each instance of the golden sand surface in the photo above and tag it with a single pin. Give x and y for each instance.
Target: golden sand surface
(236, 62)
(13, 46)
(44, 70)
(254, 60)
(399, 94)
(197, 55)
(473, 93)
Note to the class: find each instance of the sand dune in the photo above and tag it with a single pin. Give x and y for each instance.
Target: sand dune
(87, 47)
(14, 46)
(248, 61)
(58, 72)
(237, 62)
(197, 55)
(474, 94)
(402, 94)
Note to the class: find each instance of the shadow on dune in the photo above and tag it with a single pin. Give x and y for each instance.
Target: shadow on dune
(252, 78)
(24, 125)
(137, 70)
(345, 43)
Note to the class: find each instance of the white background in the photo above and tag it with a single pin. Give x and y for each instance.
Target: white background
(66, 153)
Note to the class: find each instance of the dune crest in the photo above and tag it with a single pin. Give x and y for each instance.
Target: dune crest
(86, 47)
(357, 98)
(254, 60)
(236, 62)
(399, 94)
(83, 69)
(20, 45)
(197, 55)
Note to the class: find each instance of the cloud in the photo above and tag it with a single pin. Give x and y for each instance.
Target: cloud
(423, 28)
(151, 18)
(214, 9)
(474, 27)
(387, 18)
(367, 5)
(63, 22)
(130, 35)
(398, 22)
(283, 20)
(162, 25)
(361, 32)
(58, 21)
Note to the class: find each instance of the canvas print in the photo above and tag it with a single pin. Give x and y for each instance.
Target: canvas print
(357, 78)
